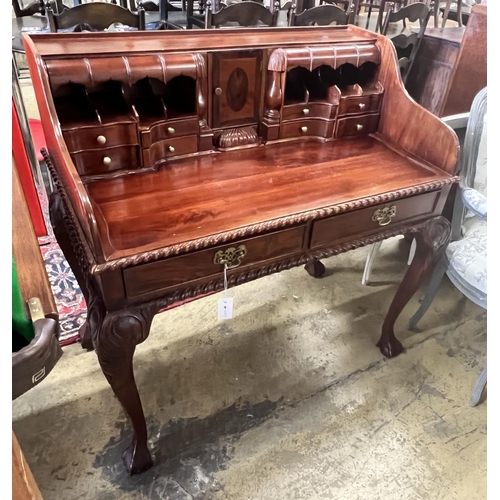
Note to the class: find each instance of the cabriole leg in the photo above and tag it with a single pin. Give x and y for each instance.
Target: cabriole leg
(432, 238)
(115, 341)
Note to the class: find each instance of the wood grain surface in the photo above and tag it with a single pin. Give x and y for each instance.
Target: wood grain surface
(33, 279)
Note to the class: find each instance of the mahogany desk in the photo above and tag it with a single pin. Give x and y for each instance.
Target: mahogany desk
(176, 154)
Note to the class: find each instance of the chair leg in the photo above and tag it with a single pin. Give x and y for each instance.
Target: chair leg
(478, 389)
(369, 262)
(413, 248)
(432, 288)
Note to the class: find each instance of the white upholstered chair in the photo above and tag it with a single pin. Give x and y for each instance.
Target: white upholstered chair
(465, 261)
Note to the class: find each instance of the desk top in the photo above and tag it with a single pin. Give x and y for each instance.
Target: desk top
(205, 195)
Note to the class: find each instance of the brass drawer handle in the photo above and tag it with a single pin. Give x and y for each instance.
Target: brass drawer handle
(101, 140)
(362, 105)
(305, 111)
(106, 160)
(231, 256)
(384, 215)
(218, 91)
(171, 130)
(359, 127)
(304, 129)
(171, 149)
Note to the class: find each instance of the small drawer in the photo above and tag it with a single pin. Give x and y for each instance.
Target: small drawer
(311, 110)
(106, 160)
(360, 104)
(169, 147)
(357, 125)
(101, 137)
(307, 128)
(175, 271)
(169, 129)
(373, 219)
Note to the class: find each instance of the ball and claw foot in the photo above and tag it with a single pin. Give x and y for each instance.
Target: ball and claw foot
(390, 348)
(315, 269)
(137, 459)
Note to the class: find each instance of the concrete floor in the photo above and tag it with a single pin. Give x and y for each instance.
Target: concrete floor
(289, 400)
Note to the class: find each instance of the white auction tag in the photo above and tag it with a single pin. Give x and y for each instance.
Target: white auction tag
(225, 308)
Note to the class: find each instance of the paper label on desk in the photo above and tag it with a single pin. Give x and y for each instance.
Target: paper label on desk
(225, 308)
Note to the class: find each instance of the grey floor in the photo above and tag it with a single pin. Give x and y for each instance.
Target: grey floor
(289, 400)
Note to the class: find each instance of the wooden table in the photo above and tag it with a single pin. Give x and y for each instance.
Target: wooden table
(450, 67)
(260, 149)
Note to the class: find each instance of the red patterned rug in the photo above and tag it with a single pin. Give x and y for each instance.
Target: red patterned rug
(69, 298)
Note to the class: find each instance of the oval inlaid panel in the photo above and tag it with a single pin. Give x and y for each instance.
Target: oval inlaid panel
(237, 89)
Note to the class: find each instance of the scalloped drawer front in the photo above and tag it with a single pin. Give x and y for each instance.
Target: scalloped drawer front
(106, 160)
(360, 104)
(373, 219)
(357, 126)
(195, 266)
(168, 148)
(311, 110)
(85, 138)
(169, 129)
(307, 128)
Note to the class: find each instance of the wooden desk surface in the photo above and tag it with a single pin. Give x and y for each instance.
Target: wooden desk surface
(205, 195)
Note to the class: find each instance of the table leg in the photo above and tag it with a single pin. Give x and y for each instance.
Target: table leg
(315, 268)
(432, 239)
(189, 14)
(115, 336)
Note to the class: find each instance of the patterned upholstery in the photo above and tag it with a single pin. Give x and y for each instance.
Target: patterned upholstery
(467, 257)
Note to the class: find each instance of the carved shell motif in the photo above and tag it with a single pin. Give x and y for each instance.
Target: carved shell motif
(237, 137)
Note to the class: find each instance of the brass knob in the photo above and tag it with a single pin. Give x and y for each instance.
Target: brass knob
(171, 130)
(106, 160)
(362, 105)
(304, 129)
(101, 140)
(171, 149)
(218, 91)
(305, 111)
(359, 127)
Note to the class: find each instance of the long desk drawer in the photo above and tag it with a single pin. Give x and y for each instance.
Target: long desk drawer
(168, 273)
(373, 219)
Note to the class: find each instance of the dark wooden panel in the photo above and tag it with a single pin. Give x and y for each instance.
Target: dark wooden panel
(170, 272)
(340, 227)
(208, 194)
(31, 273)
(169, 129)
(469, 76)
(359, 104)
(307, 128)
(169, 147)
(115, 135)
(236, 88)
(95, 162)
(357, 125)
(431, 72)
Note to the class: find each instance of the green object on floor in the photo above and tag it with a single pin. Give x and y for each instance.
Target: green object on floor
(22, 327)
